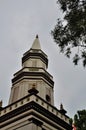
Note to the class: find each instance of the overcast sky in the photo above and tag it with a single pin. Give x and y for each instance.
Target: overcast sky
(20, 21)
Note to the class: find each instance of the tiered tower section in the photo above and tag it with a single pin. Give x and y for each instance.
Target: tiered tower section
(33, 75)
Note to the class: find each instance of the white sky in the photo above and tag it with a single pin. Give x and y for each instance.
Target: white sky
(20, 21)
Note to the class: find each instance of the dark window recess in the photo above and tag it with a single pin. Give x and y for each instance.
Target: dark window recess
(48, 98)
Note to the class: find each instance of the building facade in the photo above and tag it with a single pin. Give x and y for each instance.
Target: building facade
(31, 102)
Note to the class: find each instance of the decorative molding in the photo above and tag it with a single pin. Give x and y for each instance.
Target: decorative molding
(29, 106)
(37, 74)
(35, 121)
(34, 54)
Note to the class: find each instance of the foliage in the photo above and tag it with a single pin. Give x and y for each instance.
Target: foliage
(80, 120)
(70, 32)
(71, 121)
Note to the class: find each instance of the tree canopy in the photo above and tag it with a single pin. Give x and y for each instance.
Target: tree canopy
(80, 120)
(70, 32)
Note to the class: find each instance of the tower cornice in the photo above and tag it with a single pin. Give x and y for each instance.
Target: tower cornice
(35, 54)
(35, 106)
(33, 75)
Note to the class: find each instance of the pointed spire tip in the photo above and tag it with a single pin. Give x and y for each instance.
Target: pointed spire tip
(37, 36)
(36, 43)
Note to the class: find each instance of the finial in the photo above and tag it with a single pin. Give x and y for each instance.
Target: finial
(1, 103)
(61, 106)
(37, 36)
(62, 110)
(33, 90)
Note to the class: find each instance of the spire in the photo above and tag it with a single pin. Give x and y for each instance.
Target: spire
(36, 43)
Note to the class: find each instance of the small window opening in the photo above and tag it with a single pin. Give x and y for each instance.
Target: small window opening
(48, 98)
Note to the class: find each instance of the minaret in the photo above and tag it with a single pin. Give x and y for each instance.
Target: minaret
(33, 74)
(31, 103)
